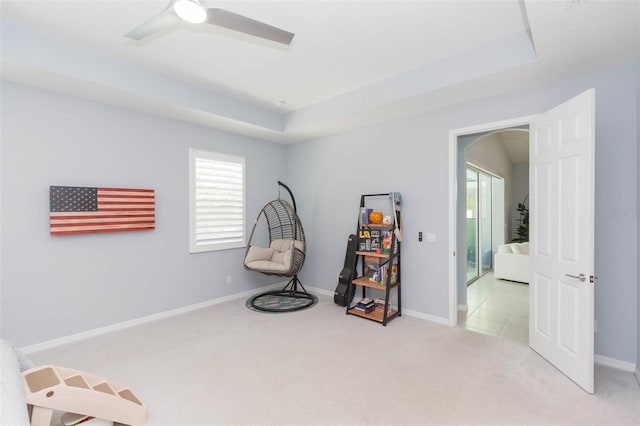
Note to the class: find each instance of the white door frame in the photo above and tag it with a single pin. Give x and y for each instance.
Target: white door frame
(453, 198)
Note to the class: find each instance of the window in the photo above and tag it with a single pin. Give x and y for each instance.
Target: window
(216, 201)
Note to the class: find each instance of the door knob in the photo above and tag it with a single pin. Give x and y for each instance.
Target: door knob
(580, 277)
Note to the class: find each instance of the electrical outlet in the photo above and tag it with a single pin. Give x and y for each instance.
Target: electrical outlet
(228, 279)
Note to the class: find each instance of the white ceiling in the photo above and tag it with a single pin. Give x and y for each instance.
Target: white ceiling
(351, 64)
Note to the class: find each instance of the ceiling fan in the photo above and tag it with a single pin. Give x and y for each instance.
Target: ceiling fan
(196, 12)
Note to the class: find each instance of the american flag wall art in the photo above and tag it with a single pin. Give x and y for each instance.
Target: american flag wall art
(85, 210)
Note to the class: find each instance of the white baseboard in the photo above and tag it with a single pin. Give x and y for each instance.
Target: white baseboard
(319, 290)
(599, 359)
(407, 312)
(638, 373)
(143, 320)
(432, 318)
(615, 363)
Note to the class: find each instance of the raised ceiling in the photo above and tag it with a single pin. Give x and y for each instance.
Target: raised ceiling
(351, 64)
(516, 143)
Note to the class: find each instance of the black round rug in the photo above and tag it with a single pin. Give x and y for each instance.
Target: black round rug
(281, 301)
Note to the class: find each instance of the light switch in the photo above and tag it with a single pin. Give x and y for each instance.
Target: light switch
(431, 237)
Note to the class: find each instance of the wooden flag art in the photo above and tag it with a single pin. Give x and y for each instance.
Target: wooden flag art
(83, 210)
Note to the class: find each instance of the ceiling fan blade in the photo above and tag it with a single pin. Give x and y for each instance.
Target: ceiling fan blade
(163, 20)
(233, 21)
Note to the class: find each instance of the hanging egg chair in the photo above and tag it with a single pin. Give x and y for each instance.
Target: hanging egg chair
(283, 257)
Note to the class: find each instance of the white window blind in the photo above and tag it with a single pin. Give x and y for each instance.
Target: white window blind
(217, 199)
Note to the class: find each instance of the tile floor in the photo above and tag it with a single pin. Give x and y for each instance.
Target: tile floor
(498, 308)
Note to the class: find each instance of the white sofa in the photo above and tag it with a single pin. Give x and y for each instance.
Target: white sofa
(512, 262)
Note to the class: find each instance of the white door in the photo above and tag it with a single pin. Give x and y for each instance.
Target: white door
(561, 233)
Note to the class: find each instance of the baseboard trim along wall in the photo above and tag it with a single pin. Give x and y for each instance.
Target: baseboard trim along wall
(615, 363)
(143, 320)
(598, 359)
(319, 290)
(432, 318)
(407, 312)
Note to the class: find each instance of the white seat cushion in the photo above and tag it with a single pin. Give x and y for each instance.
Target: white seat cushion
(267, 265)
(281, 245)
(258, 253)
(277, 258)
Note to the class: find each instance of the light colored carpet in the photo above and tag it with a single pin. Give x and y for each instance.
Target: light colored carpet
(227, 365)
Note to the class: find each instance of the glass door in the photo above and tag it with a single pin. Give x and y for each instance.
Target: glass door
(480, 212)
(485, 252)
(472, 225)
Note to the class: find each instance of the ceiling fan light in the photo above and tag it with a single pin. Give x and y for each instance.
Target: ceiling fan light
(190, 11)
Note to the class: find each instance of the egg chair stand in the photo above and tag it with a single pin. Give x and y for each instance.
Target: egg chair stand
(284, 257)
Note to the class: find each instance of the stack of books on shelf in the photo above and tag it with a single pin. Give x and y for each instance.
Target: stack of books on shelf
(365, 306)
(380, 273)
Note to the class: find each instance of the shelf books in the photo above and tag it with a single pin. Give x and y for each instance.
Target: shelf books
(394, 273)
(364, 240)
(386, 238)
(365, 305)
(364, 216)
(379, 273)
(368, 239)
(375, 239)
(371, 267)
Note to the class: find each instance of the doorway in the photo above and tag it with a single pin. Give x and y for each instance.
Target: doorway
(459, 140)
(488, 303)
(561, 258)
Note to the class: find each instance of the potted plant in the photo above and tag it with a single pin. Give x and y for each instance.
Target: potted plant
(522, 230)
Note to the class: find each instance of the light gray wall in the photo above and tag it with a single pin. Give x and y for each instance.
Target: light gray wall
(53, 287)
(411, 156)
(57, 286)
(519, 190)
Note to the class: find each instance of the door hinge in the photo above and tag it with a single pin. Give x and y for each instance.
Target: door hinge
(592, 278)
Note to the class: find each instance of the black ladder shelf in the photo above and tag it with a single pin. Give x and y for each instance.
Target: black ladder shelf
(390, 261)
